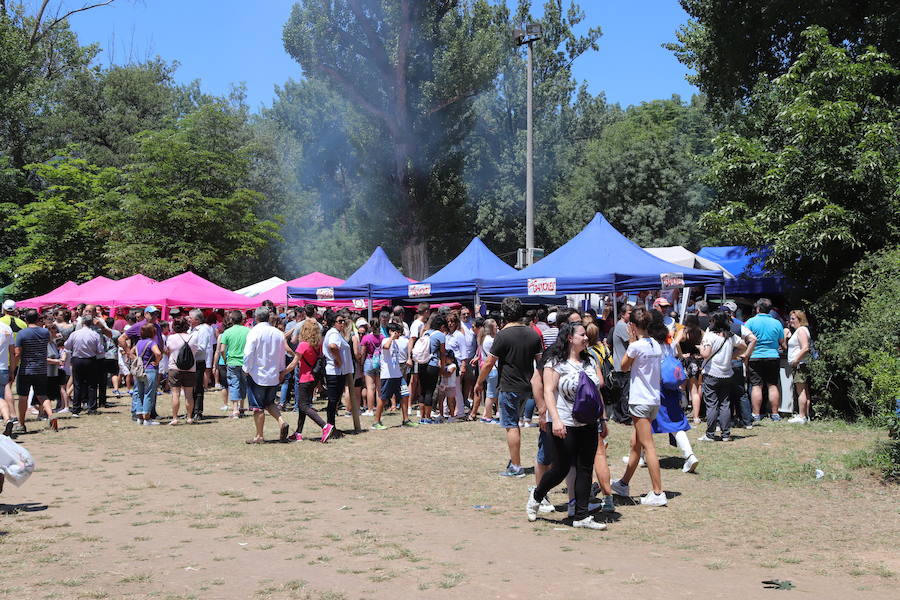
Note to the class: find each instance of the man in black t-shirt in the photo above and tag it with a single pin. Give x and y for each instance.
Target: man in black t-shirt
(515, 350)
(31, 357)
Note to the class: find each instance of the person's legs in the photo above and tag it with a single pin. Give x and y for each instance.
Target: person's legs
(304, 398)
(5, 408)
(93, 379)
(287, 387)
(711, 398)
(601, 468)
(651, 458)
(511, 406)
(428, 380)
(774, 398)
(200, 369)
(803, 399)
(695, 394)
(683, 443)
(529, 409)
(720, 387)
(562, 460)
(334, 389)
(81, 374)
(102, 377)
(584, 450)
(149, 396)
(176, 403)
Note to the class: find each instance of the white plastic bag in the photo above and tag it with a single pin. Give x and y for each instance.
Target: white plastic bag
(15, 461)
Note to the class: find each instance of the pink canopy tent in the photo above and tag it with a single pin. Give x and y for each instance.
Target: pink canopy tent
(70, 297)
(50, 297)
(187, 289)
(278, 294)
(109, 293)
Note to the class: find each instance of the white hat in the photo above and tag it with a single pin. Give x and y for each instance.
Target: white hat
(9, 305)
(730, 305)
(360, 322)
(551, 318)
(151, 309)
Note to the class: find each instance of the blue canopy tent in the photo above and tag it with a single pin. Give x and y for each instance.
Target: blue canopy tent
(378, 270)
(751, 277)
(598, 259)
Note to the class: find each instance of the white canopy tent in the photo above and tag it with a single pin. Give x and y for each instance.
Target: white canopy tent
(680, 255)
(260, 286)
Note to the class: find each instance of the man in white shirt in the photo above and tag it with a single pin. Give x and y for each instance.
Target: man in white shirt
(6, 346)
(468, 367)
(264, 367)
(202, 335)
(423, 312)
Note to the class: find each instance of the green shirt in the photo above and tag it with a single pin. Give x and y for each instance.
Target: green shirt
(234, 339)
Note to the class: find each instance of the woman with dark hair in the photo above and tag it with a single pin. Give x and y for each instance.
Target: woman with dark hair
(339, 362)
(643, 360)
(150, 354)
(181, 379)
(436, 330)
(688, 340)
(370, 349)
(718, 348)
(574, 443)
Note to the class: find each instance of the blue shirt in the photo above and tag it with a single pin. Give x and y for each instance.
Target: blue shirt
(769, 332)
(33, 342)
(437, 340)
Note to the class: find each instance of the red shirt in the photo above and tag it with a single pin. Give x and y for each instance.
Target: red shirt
(307, 360)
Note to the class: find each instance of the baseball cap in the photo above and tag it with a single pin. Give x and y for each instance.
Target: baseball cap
(551, 318)
(730, 306)
(9, 305)
(661, 302)
(174, 312)
(151, 309)
(360, 322)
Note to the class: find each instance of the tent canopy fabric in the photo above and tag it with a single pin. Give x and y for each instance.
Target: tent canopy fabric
(456, 281)
(598, 259)
(48, 298)
(278, 294)
(73, 296)
(679, 255)
(752, 278)
(187, 289)
(259, 287)
(108, 293)
(377, 270)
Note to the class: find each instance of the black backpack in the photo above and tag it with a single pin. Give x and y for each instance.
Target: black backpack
(185, 359)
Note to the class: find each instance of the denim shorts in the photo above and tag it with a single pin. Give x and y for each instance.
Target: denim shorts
(512, 408)
(492, 378)
(392, 387)
(4, 379)
(260, 397)
(237, 384)
(544, 444)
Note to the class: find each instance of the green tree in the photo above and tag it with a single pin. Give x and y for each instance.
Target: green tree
(813, 168)
(730, 44)
(412, 69)
(62, 230)
(186, 201)
(643, 172)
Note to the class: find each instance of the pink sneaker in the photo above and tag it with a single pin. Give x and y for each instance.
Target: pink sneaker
(326, 432)
(296, 437)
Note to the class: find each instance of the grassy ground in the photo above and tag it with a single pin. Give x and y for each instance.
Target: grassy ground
(118, 511)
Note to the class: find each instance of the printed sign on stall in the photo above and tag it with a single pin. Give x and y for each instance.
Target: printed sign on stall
(670, 281)
(325, 293)
(418, 290)
(542, 286)
(360, 303)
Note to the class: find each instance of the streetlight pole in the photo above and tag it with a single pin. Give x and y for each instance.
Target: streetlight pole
(527, 36)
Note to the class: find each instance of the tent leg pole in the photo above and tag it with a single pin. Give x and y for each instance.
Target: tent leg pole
(615, 303)
(685, 296)
(723, 289)
(370, 304)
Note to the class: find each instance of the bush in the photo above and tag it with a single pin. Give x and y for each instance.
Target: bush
(858, 371)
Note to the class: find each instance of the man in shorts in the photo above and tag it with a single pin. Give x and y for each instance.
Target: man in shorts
(516, 349)
(264, 369)
(31, 357)
(764, 364)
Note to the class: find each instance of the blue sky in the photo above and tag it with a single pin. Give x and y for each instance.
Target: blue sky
(222, 42)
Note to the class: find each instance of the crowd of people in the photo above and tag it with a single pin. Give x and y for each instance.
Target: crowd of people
(510, 367)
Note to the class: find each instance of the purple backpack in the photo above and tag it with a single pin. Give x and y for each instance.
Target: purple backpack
(588, 405)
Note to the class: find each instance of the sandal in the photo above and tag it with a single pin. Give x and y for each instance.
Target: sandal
(254, 441)
(173, 422)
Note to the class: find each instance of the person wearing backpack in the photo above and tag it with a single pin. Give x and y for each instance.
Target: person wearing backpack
(306, 355)
(718, 348)
(181, 347)
(571, 375)
(429, 353)
(643, 362)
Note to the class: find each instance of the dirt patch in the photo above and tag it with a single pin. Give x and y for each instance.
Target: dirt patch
(119, 511)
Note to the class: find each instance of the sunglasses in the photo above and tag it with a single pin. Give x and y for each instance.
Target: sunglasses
(340, 321)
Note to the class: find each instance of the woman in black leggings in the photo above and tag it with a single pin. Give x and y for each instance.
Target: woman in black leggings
(305, 356)
(339, 362)
(574, 442)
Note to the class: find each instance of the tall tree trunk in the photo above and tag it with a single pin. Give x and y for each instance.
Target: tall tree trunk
(414, 251)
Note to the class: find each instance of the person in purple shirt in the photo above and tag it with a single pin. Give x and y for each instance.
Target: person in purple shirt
(129, 339)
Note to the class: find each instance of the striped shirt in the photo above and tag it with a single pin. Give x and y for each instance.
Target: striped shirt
(33, 343)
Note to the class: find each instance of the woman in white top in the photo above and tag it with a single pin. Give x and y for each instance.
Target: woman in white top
(339, 362)
(717, 350)
(485, 343)
(574, 442)
(643, 360)
(798, 351)
(181, 380)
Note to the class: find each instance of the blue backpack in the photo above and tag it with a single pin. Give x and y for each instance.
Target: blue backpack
(588, 405)
(671, 372)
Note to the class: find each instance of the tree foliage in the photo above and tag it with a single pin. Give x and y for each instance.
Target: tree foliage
(814, 168)
(643, 173)
(731, 44)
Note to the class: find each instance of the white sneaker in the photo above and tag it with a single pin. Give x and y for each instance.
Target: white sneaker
(620, 488)
(531, 507)
(224, 408)
(63, 411)
(798, 419)
(705, 438)
(589, 523)
(546, 506)
(641, 462)
(690, 464)
(653, 499)
(592, 506)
